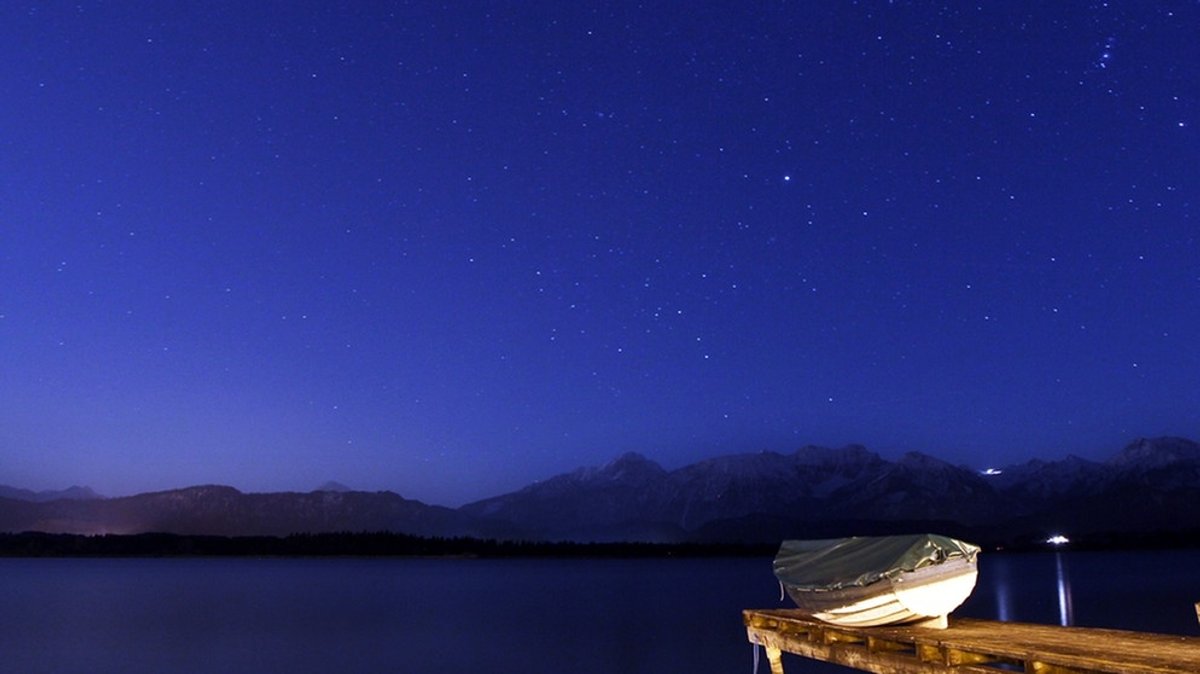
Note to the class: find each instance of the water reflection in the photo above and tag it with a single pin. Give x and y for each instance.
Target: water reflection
(1034, 588)
(305, 616)
(1003, 596)
(1065, 612)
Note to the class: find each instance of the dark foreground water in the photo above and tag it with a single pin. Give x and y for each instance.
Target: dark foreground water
(494, 616)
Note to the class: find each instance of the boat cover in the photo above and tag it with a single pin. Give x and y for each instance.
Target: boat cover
(833, 564)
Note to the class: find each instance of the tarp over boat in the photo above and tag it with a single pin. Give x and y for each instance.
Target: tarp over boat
(838, 563)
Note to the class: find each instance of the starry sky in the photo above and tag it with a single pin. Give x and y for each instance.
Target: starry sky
(448, 249)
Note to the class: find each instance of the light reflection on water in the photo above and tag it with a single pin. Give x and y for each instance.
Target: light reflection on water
(1143, 590)
(1064, 591)
(1003, 598)
(997, 578)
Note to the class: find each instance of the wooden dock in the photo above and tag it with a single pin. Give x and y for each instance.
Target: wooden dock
(971, 646)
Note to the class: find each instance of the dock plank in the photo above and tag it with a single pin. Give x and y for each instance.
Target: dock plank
(970, 646)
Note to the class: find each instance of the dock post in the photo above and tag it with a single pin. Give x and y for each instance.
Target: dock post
(775, 657)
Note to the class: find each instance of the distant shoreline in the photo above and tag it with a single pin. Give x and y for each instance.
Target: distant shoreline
(385, 544)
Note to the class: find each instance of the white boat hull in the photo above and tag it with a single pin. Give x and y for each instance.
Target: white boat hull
(926, 595)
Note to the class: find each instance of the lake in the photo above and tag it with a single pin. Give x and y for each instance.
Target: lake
(495, 616)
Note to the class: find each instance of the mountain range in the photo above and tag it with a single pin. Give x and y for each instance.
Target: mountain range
(225, 511)
(1151, 485)
(75, 493)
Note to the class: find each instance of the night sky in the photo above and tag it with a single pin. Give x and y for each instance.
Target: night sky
(447, 251)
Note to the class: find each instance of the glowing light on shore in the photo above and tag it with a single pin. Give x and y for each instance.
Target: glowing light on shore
(1058, 539)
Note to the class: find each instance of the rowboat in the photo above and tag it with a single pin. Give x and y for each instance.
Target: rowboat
(886, 580)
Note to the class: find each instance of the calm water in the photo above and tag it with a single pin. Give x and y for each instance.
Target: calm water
(527, 616)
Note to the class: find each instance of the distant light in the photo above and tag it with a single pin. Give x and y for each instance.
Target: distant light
(992, 471)
(1058, 539)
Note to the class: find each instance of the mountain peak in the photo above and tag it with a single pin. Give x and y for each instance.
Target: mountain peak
(630, 465)
(923, 461)
(202, 491)
(72, 493)
(630, 458)
(332, 485)
(1156, 453)
(815, 455)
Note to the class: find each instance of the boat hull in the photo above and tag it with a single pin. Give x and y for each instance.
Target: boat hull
(926, 595)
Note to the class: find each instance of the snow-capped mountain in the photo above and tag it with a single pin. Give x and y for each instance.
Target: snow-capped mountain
(1039, 480)
(1151, 485)
(815, 488)
(811, 484)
